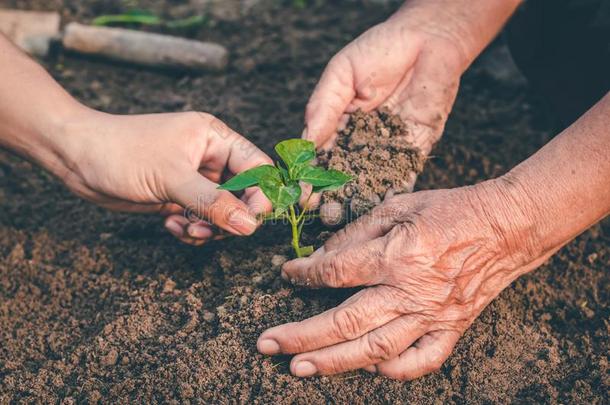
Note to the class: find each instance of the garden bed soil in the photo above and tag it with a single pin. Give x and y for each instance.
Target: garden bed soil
(102, 307)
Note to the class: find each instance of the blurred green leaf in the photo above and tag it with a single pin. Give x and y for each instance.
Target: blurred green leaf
(143, 17)
(131, 17)
(189, 22)
(300, 4)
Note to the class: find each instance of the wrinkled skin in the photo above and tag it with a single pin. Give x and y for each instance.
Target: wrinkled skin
(431, 261)
(168, 163)
(413, 67)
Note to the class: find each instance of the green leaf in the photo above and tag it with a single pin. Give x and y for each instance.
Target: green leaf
(306, 251)
(188, 22)
(318, 177)
(283, 172)
(330, 187)
(249, 178)
(281, 195)
(296, 151)
(131, 17)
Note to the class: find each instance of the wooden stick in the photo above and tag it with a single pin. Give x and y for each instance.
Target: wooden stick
(144, 48)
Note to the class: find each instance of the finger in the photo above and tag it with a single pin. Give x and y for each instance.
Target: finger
(312, 202)
(359, 265)
(256, 201)
(332, 213)
(177, 225)
(375, 347)
(328, 103)
(221, 208)
(200, 230)
(408, 187)
(309, 201)
(368, 227)
(426, 356)
(329, 143)
(427, 99)
(227, 149)
(361, 313)
(305, 194)
(171, 209)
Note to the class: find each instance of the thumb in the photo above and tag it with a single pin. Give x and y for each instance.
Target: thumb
(200, 197)
(329, 101)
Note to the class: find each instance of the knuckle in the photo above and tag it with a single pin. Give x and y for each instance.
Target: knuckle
(347, 323)
(333, 365)
(202, 117)
(337, 239)
(198, 119)
(289, 341)
(333, 273)
(380, 347)
(405, 230)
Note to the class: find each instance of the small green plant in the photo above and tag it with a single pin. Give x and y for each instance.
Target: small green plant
(282, 185)
(143, 17)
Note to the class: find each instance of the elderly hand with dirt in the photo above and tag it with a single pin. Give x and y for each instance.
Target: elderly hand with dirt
(166, 163)
(431, 261)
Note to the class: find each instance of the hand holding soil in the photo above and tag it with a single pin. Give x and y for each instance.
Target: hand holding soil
(412, 72)
(410, 65)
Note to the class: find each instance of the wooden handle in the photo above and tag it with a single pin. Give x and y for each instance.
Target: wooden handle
(144, 48)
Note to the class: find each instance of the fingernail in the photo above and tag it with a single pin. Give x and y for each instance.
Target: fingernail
(174, 228)
(268, 346)
(242, 222)
(284, 275)
(199, 232)
(304, 369)
(304, 134)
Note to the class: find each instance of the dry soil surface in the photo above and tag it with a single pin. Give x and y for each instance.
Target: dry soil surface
(104, 307)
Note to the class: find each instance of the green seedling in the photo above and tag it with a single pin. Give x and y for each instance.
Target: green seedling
(142, 17)
(282, 185)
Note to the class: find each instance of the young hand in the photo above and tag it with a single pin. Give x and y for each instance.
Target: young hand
(168, 163)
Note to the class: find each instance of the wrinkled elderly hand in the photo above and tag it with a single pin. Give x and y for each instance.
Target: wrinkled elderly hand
(431, 260)
(168, 163)
(411, 63)
(413, 67)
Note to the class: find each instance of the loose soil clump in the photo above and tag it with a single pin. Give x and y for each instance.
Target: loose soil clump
(376, 149)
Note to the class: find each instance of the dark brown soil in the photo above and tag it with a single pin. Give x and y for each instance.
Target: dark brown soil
(104, 307)
(377, 150)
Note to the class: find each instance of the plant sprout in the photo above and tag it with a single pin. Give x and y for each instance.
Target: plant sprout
(281, 184)
(142, 17)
